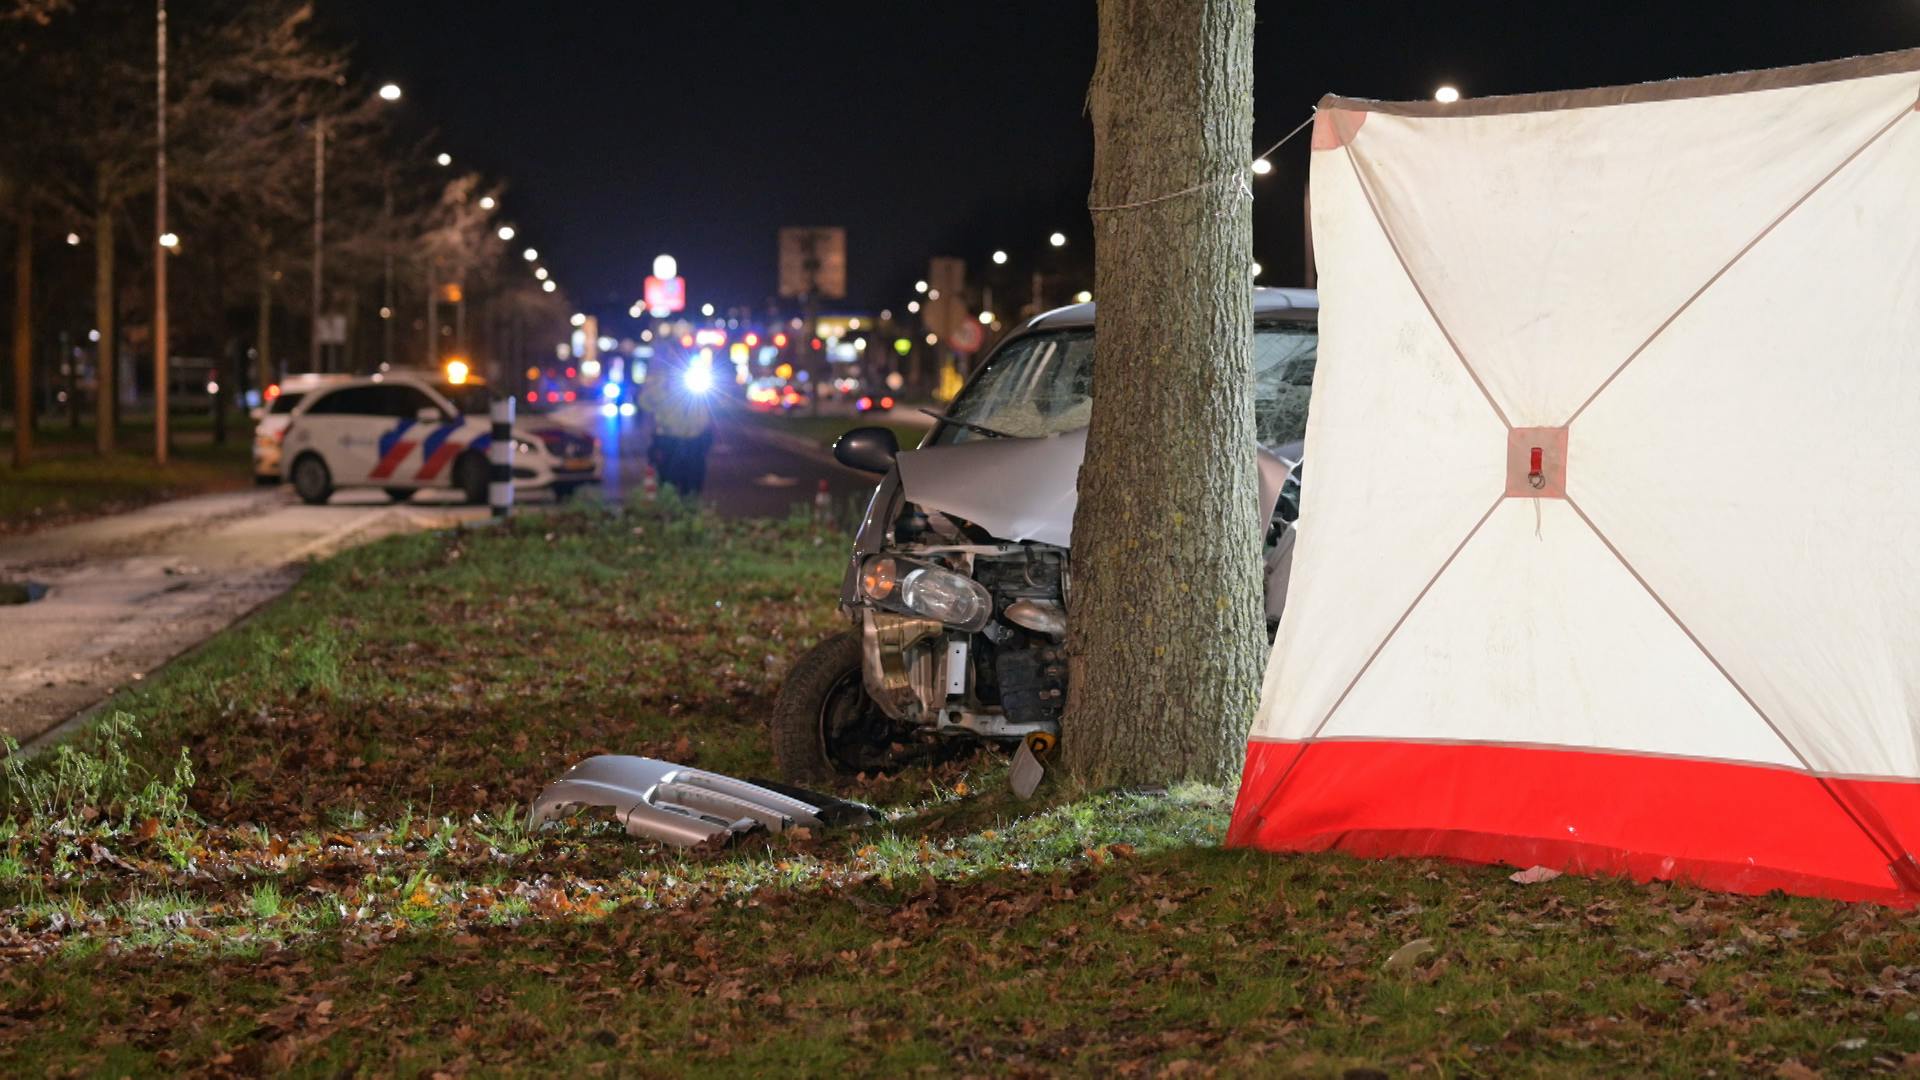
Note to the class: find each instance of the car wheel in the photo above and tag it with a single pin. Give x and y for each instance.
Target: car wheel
(312, 480)
(563, 492)
(399, 494)
(825, 725)
(470, 476)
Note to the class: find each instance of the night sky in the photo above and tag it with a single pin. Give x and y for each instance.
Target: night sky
(625, 128)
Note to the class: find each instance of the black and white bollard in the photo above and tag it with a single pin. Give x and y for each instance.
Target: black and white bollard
(500, 458)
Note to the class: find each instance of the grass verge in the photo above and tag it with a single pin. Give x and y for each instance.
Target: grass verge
(71, 484)
(337, 875)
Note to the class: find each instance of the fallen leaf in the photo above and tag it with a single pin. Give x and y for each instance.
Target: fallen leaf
(1533, 875)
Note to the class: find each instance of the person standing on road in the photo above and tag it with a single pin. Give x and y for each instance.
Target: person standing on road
(679, 397)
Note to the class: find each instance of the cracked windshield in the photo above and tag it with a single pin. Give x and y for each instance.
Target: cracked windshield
(1044, 386)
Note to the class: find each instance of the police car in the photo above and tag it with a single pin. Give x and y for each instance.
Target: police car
(273, 415)
(402, 433)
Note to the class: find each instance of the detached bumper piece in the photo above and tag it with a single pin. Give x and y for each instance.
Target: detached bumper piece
(674, 804)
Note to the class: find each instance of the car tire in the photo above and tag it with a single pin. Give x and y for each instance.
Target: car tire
(825, 725)
(470, 476)
(312, 480)
(399, 494)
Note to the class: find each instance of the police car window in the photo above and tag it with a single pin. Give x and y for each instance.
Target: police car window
(406, 401)
(472, 399)
(354, 400)
(285, 402)
(1283, 360)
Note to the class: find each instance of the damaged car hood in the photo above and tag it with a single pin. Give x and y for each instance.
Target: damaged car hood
(1027, 489)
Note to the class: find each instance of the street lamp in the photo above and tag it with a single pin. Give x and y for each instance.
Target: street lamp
(388, 92)
(530, 254)
(487, 202)
(665, 267)
(1058, 240)
(506, 232)
(1256, 269)
(540, 273)
(579, 318)
(986, 318)
(1261, 166)
(170, 241)
(999, 258)
(547, 286)
(444, 159)
(73, 239)
(920, 286)
(707, 310)
(1447, 95)
(913, 307)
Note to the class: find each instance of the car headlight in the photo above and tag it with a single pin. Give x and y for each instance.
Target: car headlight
(927, 591)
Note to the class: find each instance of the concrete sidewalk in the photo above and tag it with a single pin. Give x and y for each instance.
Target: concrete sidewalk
(127, 593)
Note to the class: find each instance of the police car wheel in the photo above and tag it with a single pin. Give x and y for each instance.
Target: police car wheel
(470, 476)
(312, 481)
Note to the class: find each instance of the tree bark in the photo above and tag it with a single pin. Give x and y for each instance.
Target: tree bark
(23, 336)
(105, 356)
(1167, 638)
(263, 335)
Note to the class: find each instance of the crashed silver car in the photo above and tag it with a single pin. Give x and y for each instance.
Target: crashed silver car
(960, 584)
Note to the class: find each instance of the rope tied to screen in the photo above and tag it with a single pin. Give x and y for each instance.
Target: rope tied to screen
(1238, 174)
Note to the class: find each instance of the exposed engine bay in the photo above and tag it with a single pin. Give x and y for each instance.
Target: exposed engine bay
(992, 658)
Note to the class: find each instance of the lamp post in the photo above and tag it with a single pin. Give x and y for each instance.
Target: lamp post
(160, 234)
(387, 314)
(387, 92)
(319, 234)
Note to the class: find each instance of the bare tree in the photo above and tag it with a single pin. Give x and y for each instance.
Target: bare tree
(1167, 633)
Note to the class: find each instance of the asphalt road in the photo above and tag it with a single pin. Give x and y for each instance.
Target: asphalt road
(127, 593)
(751, 472)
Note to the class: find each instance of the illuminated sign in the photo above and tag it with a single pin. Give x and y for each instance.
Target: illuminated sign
(664, 296)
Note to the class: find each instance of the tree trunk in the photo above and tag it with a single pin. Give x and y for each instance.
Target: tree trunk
(1167, 637)
(263, 336)
(23, 336)
(105, 356)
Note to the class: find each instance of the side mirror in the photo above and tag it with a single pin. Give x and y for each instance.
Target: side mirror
(428, 415)
(869, 449)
